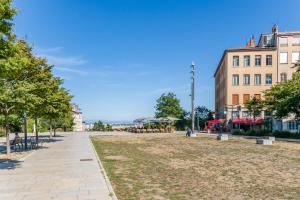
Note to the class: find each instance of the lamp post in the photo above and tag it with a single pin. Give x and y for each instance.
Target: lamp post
(193, 97)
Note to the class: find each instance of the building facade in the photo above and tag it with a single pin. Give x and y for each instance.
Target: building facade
(77, 119)
(246, 72)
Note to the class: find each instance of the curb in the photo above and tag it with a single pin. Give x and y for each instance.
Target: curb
(102, 170)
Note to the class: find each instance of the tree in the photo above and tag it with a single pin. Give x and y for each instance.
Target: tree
(254, 107)
(203, 115)
(168, 105)
(57, 105)
(283, 100)
(99, 126)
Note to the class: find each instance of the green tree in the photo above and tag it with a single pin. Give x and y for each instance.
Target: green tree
(254, 107)
(168, 105)
(283, 100)
(56, 105)
(203, 115)
(99, 126)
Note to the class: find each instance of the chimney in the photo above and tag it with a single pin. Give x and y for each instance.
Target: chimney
(275, 28)
(251, 42)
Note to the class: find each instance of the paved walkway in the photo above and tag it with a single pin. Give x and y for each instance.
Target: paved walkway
(56, 172)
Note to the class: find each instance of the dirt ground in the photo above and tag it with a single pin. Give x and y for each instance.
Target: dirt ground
(169, 166)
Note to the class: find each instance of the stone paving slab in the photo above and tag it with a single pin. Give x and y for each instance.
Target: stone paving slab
(56, 173)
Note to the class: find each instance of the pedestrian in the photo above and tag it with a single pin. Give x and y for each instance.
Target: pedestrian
(188, 132)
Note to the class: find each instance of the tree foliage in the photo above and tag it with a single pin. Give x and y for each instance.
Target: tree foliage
(168, 105)
(283, 99)
(100, 126)
(203, 114)
(27, 83)
(254, 107)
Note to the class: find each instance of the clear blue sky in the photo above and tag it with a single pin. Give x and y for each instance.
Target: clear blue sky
(118, 56)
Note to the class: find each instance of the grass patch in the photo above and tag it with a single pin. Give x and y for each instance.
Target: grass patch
(174, 167)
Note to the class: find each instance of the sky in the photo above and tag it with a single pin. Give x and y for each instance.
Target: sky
(118, 56)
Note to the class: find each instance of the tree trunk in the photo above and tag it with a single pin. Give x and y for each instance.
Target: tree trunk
(7, 135)
(36, 129)
(54, 129)
(50, 129)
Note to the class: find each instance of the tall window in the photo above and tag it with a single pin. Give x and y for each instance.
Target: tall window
(268, 79)
(257, 79)
(257, 96)
(269, 60)
(235, 114)
(245, 114)
(283, 57)
(246, 80)
(246, 98)
(258, 61)
(236, 61)
(235, 79)
(292, 125)
(246, 61)
(283, 77)
(296, 40)
(295, 57)
(283, 41)
(235, 99)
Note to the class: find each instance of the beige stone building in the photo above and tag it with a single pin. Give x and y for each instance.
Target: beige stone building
(246, 72)
(77, 119)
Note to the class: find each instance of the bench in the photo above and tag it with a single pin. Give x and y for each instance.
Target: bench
(222, 137)
(17, 143)
(264, 141)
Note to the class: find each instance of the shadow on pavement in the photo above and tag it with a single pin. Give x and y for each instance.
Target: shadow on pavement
(9, 164)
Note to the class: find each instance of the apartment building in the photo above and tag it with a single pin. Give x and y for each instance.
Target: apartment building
(78, 123)
(246, 72)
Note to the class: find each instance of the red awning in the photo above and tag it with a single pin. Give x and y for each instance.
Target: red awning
(247, 120)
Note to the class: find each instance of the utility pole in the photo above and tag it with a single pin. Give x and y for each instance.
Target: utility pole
(25, 129)
(193, 96)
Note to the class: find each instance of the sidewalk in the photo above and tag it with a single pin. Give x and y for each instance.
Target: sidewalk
(67, 169)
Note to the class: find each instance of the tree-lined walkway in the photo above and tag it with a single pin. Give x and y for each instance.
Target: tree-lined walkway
(64, 170)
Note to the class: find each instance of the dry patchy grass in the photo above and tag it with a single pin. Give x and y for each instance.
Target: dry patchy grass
(174, 167)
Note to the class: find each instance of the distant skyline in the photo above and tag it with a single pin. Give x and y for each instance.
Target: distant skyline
(117, 57)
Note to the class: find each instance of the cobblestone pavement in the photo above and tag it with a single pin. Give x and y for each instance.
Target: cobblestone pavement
(65, 169)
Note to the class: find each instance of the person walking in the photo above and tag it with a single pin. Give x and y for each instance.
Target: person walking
(188, 132)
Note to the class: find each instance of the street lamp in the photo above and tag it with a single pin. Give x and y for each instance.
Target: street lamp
(193, 98)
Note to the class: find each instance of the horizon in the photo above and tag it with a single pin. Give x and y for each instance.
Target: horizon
(118, 58)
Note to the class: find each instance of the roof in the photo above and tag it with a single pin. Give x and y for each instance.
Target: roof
(288, 33)
(243, 49)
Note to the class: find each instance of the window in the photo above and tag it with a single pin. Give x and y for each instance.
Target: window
(257, 79)
(235, 114)
(236, 61)
(268, 40)
(292, 125)
(269, 60)
(283, 41)
(283, 77)
(296, 40)
(246, 80)
(246, 98)
(246, 61)
(257, 96)
(295, 57)
(235, 99)
(235, 79)
(283, 57)
(257, 60)
(268, 79)
(245, 114)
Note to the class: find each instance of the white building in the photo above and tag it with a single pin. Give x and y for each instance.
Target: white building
(77, 119)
